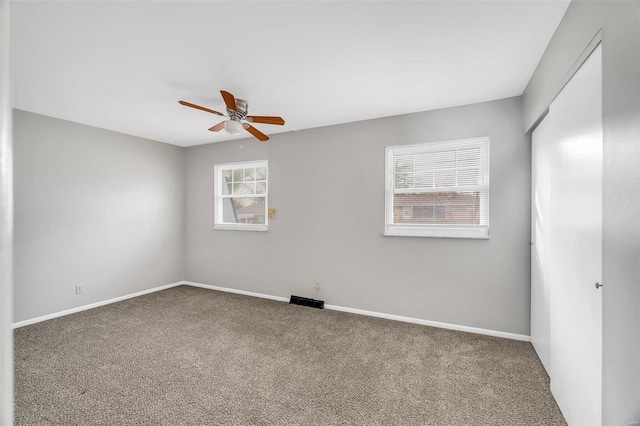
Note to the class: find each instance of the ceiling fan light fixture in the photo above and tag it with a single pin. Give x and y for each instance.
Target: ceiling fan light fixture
(234, 127)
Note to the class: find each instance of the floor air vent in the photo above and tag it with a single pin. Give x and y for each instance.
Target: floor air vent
(305, 301)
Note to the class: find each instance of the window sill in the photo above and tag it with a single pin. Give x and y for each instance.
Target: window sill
(240, 227)
(467, 233)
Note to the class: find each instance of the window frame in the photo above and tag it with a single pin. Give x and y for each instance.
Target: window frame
(218, 197)
(437, 230)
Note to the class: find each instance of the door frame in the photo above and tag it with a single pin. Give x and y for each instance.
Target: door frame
(6, 221)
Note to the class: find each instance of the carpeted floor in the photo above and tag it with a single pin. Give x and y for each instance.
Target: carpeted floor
(193, 356)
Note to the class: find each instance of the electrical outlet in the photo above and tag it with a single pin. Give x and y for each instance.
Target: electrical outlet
(318, 285)
(78, 289)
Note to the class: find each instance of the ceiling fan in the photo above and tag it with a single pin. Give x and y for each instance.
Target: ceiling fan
(238, 119)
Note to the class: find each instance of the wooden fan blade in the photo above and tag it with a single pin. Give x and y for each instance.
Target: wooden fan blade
(200, 108)
(267, 120)
(217, 127)
(258, 134)
(229, 99)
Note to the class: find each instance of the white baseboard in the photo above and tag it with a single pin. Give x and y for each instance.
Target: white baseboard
(92, 305)
(448, 326)
(475, 330)
(233, 290)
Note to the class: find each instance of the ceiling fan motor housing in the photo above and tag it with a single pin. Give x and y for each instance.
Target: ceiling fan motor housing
(242, 107)
(234, 125)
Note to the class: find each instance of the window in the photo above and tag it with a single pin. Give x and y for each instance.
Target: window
(240, 193)
(438, 189)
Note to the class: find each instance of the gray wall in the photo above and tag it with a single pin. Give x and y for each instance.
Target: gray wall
(620, 24)
(93, 208)
(327, 186)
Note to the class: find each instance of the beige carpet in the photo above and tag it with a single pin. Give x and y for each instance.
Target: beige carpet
(193, 356)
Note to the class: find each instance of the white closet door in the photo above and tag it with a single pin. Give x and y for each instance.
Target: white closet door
(576, 157)
(540, 239)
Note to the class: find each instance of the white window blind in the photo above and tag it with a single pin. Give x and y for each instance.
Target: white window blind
(438, 189)
(240, 196)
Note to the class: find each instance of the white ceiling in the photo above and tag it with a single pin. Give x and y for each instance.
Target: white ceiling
(123, 66)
